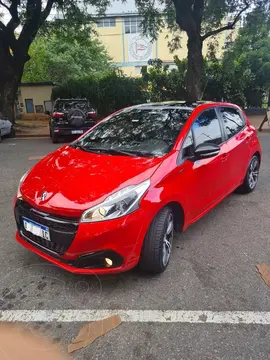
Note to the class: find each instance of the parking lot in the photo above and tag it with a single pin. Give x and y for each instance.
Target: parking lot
(213, 270)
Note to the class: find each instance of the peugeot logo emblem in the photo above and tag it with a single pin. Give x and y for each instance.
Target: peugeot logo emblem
(43, 196)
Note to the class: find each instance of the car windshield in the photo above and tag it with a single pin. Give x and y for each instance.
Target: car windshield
(137, 131)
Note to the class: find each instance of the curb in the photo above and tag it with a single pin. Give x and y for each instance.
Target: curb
(33, 136)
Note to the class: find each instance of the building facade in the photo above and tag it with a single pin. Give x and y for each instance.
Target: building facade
(130, 50)
(35, 98)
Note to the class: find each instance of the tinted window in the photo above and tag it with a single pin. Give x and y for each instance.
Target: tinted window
(233, 122)
(149, 131)
(187, 148)
(206, 128)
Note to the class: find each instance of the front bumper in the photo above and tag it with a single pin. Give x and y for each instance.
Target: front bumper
(83, 247)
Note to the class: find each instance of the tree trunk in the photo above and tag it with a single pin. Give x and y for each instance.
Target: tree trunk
(10, 77)
(195, 69)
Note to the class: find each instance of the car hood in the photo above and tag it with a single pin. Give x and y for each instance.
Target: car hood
(75, 180)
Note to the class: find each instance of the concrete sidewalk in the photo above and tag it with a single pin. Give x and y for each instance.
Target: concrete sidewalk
(256, 121)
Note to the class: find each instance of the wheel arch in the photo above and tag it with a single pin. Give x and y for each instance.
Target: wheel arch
(178, 214)
(257, 153)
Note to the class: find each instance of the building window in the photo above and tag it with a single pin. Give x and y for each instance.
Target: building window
(133, 24)
(106, 22)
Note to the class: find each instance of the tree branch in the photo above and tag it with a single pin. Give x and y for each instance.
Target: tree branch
(47, 10)
(5, 6)
(14, 10)
(230, 26)
(2, 26)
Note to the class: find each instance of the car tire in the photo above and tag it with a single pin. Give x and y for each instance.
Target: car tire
(54, 138)
(12, 132)
(157, 246)
(251, 178)
(0, 136)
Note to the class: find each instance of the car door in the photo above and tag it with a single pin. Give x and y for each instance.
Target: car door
(238, 139)
(6, 127)
(2, 127)
(205, 180)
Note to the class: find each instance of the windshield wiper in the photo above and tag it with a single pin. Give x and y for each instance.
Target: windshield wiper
(112, 151)
(83, 148)
(124, 152)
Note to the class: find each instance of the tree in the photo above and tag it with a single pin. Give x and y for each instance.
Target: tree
(26, 17)
(201, 20)
(246, 63)
(57, 58)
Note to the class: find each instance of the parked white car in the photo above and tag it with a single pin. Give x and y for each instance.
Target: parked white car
(6, 128)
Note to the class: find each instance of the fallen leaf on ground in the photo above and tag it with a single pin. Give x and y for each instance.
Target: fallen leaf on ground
(264, 271)
(31, 158)
(91, 331)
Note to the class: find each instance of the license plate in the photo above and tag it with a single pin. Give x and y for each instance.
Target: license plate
(36, 229)
(76, 132)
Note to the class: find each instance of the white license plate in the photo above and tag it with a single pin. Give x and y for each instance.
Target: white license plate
(36, 229)
(76, 132)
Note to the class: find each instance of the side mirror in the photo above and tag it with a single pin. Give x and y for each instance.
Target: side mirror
(205, 151)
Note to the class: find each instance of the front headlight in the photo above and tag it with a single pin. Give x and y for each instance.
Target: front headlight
(118, 204)
(19, 195)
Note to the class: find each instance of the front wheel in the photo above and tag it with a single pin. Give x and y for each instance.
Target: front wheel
(252, 176)
(157, 246)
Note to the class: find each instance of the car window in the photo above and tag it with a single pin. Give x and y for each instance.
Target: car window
(233, 121)
(148, 131)
(206, 128)
(188, 146)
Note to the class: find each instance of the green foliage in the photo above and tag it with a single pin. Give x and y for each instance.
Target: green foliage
(164, 84)
(108, 92)
(57, 59)
(246, 64)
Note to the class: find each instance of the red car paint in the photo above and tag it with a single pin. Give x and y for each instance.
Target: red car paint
(76, 181)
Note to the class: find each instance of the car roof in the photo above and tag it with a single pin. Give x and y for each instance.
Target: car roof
(178, 104)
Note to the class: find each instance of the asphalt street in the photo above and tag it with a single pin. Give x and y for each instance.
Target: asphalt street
(213, 268)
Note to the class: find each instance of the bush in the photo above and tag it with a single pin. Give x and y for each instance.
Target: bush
(107, 93)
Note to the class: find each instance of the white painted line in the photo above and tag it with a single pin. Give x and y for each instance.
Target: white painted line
(156, 316)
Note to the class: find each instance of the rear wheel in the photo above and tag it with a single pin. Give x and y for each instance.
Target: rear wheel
(252, 176)
(0, 136)
(54, 138)
(157, 247)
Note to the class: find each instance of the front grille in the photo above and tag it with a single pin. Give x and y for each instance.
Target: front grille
(62, 229)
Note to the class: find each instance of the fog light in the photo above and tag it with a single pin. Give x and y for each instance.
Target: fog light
(108, 262)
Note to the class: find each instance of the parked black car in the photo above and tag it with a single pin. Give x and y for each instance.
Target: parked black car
(71, 117)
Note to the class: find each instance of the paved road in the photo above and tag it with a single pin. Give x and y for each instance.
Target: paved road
(212, 268)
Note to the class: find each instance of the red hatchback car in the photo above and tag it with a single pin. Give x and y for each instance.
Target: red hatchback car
(113, 198)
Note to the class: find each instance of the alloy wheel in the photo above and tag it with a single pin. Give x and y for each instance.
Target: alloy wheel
(167, 241)
(253, 172)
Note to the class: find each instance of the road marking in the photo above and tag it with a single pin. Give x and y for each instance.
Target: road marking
(142, 316)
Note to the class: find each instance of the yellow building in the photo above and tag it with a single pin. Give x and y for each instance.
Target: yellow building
(130, 50)
(35, 98)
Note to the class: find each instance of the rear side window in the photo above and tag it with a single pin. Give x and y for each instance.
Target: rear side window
(233, 121)
(206, 128)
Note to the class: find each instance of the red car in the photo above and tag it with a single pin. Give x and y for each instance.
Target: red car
(113, 198)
